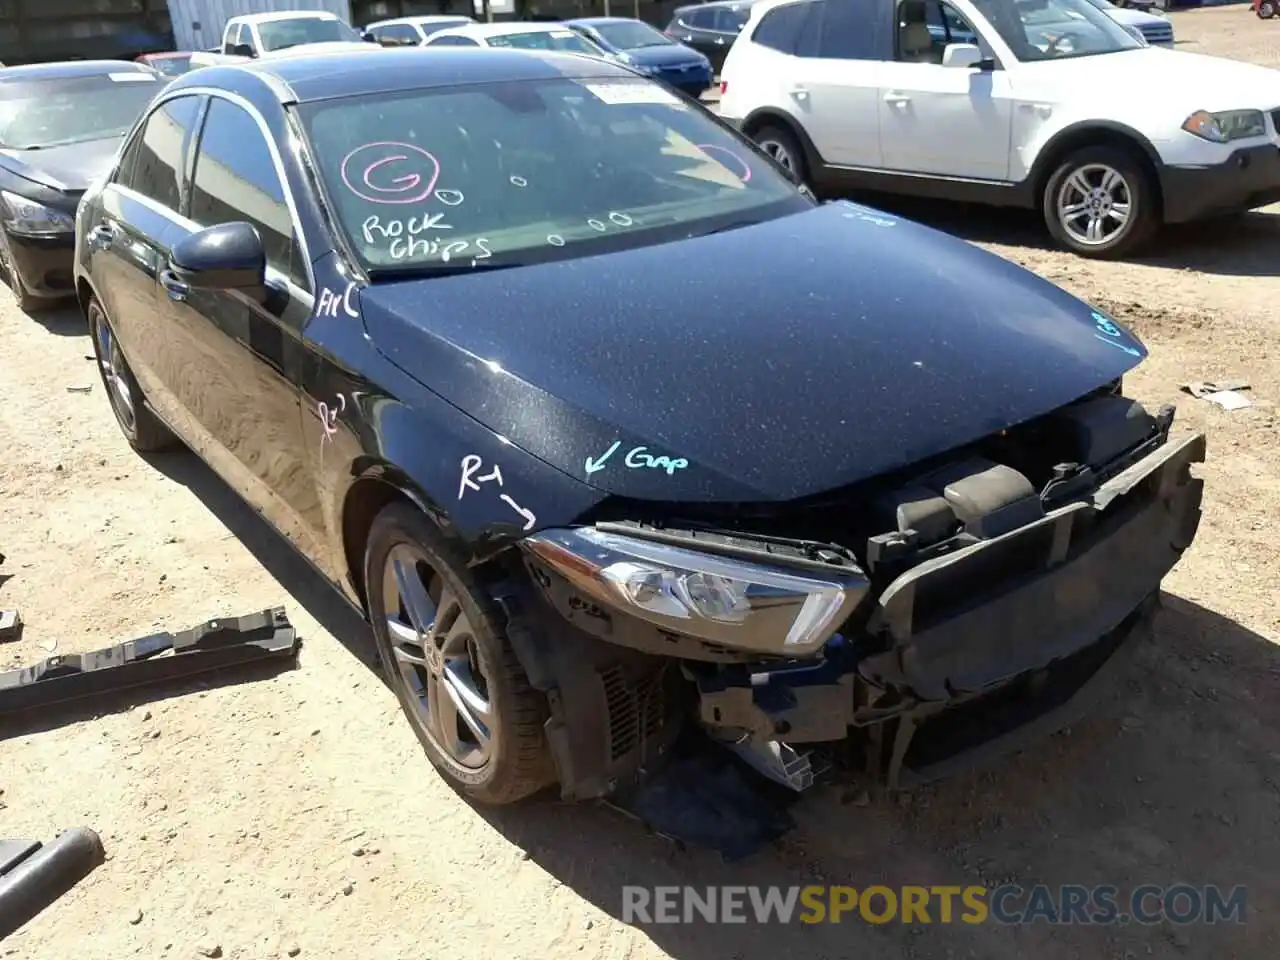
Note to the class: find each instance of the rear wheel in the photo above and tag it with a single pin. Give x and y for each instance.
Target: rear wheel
(443, 645)
(1267, 9)
(780, 144)
(1100, 202)
(140, 426)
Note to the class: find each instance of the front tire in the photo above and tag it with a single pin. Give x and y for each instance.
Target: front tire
(781, 145)
(444, 647)
(142, 428)
(1100, 202)
(1267, 9)
(26, 302)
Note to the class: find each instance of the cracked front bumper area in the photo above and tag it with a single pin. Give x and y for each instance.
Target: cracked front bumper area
(979, 652)
(1249, 179)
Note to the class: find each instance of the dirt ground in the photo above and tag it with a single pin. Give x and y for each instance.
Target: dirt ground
(296, 815)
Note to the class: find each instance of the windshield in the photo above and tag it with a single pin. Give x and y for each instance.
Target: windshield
(171, 66)
(1056, 29)
(52, 113)
(566, 41)
(630, 35)
(279, 34)
(505, 174)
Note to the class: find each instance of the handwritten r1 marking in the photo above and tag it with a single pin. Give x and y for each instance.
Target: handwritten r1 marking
(471, 465)
(518, 181)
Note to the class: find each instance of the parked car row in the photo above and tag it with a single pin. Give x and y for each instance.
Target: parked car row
(612, 431)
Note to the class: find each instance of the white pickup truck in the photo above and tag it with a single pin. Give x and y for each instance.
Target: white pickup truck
(275, 34)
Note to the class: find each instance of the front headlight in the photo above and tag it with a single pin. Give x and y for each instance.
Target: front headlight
(728, 601)
(25, 216)
(1225, 126)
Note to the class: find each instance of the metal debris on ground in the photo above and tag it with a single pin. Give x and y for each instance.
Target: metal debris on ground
(1225, 393)
(10, 626)
(160, 657)
(33, 875)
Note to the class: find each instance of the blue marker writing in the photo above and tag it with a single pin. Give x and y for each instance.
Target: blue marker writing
(1108, 327)
(637, 459)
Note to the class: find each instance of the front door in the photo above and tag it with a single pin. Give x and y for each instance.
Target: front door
(243, 356)
(946, 121)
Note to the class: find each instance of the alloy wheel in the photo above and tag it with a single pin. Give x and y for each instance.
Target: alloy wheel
(114, 370)
(780, 154)
(1094, 204)
(434, 648)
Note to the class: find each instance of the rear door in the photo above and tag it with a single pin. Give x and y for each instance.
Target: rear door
(833, 83)
(134, 225)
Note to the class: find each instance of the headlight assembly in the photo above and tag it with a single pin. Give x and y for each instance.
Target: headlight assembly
(1225, 126)
(25, 216)
(728, 601)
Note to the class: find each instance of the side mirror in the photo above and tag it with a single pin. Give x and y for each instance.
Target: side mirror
(243, 50)
(962, 56)
(229, 256)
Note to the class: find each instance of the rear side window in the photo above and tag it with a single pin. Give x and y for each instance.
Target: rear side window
(855, 30)
(153, 167)
(779, 29)
(702, 19)
(451, 41)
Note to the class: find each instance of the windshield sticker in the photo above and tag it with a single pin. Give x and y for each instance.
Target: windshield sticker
(736, 162)
(472, 463)
(1109, 333)
(133, 77)
(632, 93)
(636, 459)
(370, 172)
(331, 302)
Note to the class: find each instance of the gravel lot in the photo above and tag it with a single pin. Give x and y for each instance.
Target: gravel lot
(296, 815)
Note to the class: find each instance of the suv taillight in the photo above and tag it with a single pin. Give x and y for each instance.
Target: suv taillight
(724, 87)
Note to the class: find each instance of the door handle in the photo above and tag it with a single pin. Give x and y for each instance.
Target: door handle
(798, 92)
(175, 288)
(720, 41)
(896, 98)
(101, 236)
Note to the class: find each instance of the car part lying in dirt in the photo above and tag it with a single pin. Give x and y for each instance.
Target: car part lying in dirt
(33, 875)
(158, 658)
(10, 626)
(923, 620)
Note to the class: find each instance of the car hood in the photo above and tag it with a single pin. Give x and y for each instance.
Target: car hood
(1136, 18)
(763, 363)
(667, 55)
(1186, 81)
(69, 168)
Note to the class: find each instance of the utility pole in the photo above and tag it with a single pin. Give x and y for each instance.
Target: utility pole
(488, 12)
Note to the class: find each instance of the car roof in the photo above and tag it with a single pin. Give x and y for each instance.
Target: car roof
(71, 68)
(425, 18)
(728, 4)
(167, 55)
(501, 29)
(283, 15)
(600, 21)
(311, 77)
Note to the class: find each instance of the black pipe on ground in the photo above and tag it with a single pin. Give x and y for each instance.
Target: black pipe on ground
(44, 876)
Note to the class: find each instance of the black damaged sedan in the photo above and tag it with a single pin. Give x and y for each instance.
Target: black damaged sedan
(60, 127)
(614, 433)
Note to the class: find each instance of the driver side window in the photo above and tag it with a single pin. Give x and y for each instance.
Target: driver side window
(152, 163)
(926, 27)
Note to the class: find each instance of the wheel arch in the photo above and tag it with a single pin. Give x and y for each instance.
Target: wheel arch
(376, 485)
(758, 119)
(1094, 133)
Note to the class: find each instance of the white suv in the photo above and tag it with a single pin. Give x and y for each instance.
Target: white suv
(1046, 104)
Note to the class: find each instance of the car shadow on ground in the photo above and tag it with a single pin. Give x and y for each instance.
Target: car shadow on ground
(1243, 246)
(299, 579)
(62, 319)
(1167, 783)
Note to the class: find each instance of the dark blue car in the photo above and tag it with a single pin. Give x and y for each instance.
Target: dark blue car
(643, 48)
(614, 433)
